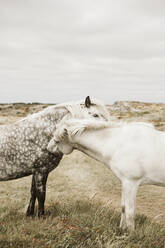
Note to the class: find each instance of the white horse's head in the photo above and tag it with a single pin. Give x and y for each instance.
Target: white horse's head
(66, 131)
(60, 142)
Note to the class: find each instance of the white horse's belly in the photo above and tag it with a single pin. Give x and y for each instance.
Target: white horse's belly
(142, 160)
(132, 170)
(151, 181)
(155, 173)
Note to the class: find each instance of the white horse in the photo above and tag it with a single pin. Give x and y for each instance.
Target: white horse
(135, 152)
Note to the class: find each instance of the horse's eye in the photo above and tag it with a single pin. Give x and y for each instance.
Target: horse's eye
(95, 115)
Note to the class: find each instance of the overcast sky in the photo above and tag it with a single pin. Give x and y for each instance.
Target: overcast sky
(62, 50)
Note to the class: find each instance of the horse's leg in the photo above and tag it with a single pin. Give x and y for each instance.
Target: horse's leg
(123, 217)
(129, 190)
(40, 183)
(30, 209)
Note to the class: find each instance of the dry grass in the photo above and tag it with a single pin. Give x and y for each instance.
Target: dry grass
(80, 224)
(82, 210)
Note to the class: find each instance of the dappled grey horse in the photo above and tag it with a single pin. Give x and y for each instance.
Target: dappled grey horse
(23, 145)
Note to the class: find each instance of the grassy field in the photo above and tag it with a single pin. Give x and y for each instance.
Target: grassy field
(82, 210)
(81, 224)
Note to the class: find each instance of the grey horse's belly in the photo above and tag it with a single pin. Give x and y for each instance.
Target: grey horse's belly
(9, 171)
(13, 168)
(23, 151)
(16, 160)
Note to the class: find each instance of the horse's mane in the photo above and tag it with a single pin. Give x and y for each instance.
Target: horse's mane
(77, 127)
(73, 127)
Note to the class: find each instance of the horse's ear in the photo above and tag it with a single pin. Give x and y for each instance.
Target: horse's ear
(88, 102)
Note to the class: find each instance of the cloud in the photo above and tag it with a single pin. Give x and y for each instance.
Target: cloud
(67, 48)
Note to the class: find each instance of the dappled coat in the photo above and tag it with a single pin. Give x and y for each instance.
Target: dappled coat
(23, 146)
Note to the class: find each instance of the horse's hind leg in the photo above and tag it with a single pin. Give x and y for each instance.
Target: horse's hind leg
(30, 209)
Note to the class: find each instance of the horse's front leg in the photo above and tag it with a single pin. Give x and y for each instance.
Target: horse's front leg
(40, 183)
(123, 217)
(30, 209)
(129, 190)
(38, 190)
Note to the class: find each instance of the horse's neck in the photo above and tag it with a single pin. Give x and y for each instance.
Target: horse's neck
(96, 144)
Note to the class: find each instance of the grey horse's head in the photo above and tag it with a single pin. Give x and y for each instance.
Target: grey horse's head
(90, 109)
